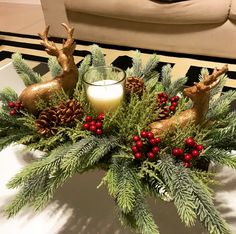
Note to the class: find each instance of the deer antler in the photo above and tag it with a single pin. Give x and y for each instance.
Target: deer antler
(51, 48)
(210, 81)
(68, 45)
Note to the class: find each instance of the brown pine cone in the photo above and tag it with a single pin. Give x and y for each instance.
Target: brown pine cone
(164, 113)
(134, 85)
(70, 111)
(47, 122)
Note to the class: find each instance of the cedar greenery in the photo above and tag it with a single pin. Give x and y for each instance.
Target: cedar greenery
(73, 150)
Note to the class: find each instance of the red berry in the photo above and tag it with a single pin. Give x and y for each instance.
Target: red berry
(150, 135)
(160, 95)
(177, 152)
(199, 147)
(92, 128)
(143, 134)
(172, 108)
(12, 112)
(163, 100)
(155, 149)
(157, 140)
(174, 104)
(88, 118)
(101, 117)
(176, 98)
(195, 153)
(180, 152)
(187, 157)
(92, 123)
(190, 142)
(150, 155)
(86, 126)
(136, 138)
(165, 95)
(18, 106)
(152, 141)
(99, 132)
(98, 125)
(134, 149)
(11, 104)
(187, 164)
(138, 155)
(172, 99)
(139, 144)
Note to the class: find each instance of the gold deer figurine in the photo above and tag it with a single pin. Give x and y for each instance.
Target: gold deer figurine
(200, 96)
(66, 80)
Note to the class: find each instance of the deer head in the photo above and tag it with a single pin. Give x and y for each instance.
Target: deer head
(199, 93)
(65, 81)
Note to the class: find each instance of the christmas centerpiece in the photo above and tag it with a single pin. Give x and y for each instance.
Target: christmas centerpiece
(151, 136)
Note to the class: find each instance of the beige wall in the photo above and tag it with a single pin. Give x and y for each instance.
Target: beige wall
(22, 1)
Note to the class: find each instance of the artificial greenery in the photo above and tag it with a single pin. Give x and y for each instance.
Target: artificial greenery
(129, 181)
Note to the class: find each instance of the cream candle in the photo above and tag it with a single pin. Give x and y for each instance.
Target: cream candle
(105, 95)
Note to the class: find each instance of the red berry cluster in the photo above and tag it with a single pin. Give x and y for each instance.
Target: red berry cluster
(162, 100)
(15, 107)
(190, 152)
(94, 125)
(146, 146)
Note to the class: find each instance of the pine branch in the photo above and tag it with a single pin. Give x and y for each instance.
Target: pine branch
(123, 182)
(149, 66)
(8, 94)
(54, 67)
(154, 182)
(23, 69)
(83, 68)
(206, 211)
(85, 65)
(104, 146)
(71, 162)
(220, 106)
(220, 156)
(140, 218)
(166, 76)
(177, 178)
(176, 86)
(98, 58)
(137, 64)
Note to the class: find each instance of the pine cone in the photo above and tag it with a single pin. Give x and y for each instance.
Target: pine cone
(64, 114)
(47, 122)
(164, 113)
(134, 85)
(69, 112)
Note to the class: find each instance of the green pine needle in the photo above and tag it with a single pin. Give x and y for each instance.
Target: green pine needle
(24, 70)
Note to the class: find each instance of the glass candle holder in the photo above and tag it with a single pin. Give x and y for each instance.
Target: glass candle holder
(104, 87)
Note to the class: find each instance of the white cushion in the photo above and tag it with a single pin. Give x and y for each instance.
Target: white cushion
(185, 12)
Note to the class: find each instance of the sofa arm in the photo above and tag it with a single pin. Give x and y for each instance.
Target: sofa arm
(55, 14)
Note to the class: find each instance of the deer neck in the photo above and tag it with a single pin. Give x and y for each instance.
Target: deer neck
(68, 79)
(201, 106)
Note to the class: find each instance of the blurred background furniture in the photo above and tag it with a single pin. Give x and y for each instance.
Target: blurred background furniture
(201, 27)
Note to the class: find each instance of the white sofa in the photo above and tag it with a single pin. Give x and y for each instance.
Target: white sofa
(204, 27)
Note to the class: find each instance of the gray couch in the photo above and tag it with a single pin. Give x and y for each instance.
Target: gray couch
(204, 27)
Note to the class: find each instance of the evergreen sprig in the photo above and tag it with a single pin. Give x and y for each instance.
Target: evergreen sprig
(54, 67)
(166, 76)
(8, 94)
(25, 72)
(98, 58)
(140, 219)
(221, 106)
(177, 179)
